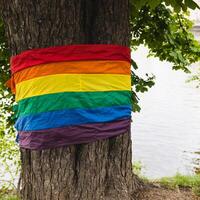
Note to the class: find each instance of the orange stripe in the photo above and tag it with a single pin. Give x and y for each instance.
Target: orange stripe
(73, 67)
(11, 84)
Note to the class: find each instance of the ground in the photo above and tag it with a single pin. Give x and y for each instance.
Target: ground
(162, 193)
(150, 193)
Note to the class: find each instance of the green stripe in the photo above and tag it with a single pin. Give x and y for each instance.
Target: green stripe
(70, 100)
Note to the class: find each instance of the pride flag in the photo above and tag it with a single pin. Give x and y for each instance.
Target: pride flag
(71, 94)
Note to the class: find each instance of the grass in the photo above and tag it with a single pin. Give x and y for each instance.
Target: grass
(181, 181)
(8, 194)
(177, 181)
(8, 197)
(137, 169)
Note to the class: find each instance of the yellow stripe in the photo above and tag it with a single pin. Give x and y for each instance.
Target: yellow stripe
(72, 83)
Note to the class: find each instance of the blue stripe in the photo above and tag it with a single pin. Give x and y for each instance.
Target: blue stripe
(69, 117)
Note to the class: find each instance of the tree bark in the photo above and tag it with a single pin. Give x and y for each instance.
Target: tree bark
(99, 170)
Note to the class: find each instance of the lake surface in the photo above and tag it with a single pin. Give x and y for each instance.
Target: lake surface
(166, 133)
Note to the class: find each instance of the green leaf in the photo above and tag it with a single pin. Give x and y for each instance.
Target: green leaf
(134, 64)
(191, 4)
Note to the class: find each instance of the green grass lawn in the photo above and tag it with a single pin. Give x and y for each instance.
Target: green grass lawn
(179, 181)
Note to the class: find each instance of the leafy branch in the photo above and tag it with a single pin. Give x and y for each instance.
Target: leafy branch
(167, 35)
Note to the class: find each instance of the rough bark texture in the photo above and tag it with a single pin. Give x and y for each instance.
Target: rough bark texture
(100, 170)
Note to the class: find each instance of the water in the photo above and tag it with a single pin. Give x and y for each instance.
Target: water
(166, 133)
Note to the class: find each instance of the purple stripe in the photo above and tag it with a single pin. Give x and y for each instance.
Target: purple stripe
(57, 137)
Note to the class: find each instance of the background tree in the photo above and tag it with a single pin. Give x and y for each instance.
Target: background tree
(107, 172)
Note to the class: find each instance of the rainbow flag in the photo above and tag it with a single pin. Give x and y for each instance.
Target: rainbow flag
(71, 94)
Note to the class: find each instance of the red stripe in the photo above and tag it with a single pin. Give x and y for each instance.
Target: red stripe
(69, 53)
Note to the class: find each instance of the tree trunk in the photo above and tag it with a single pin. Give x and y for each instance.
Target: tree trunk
(99, 170)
